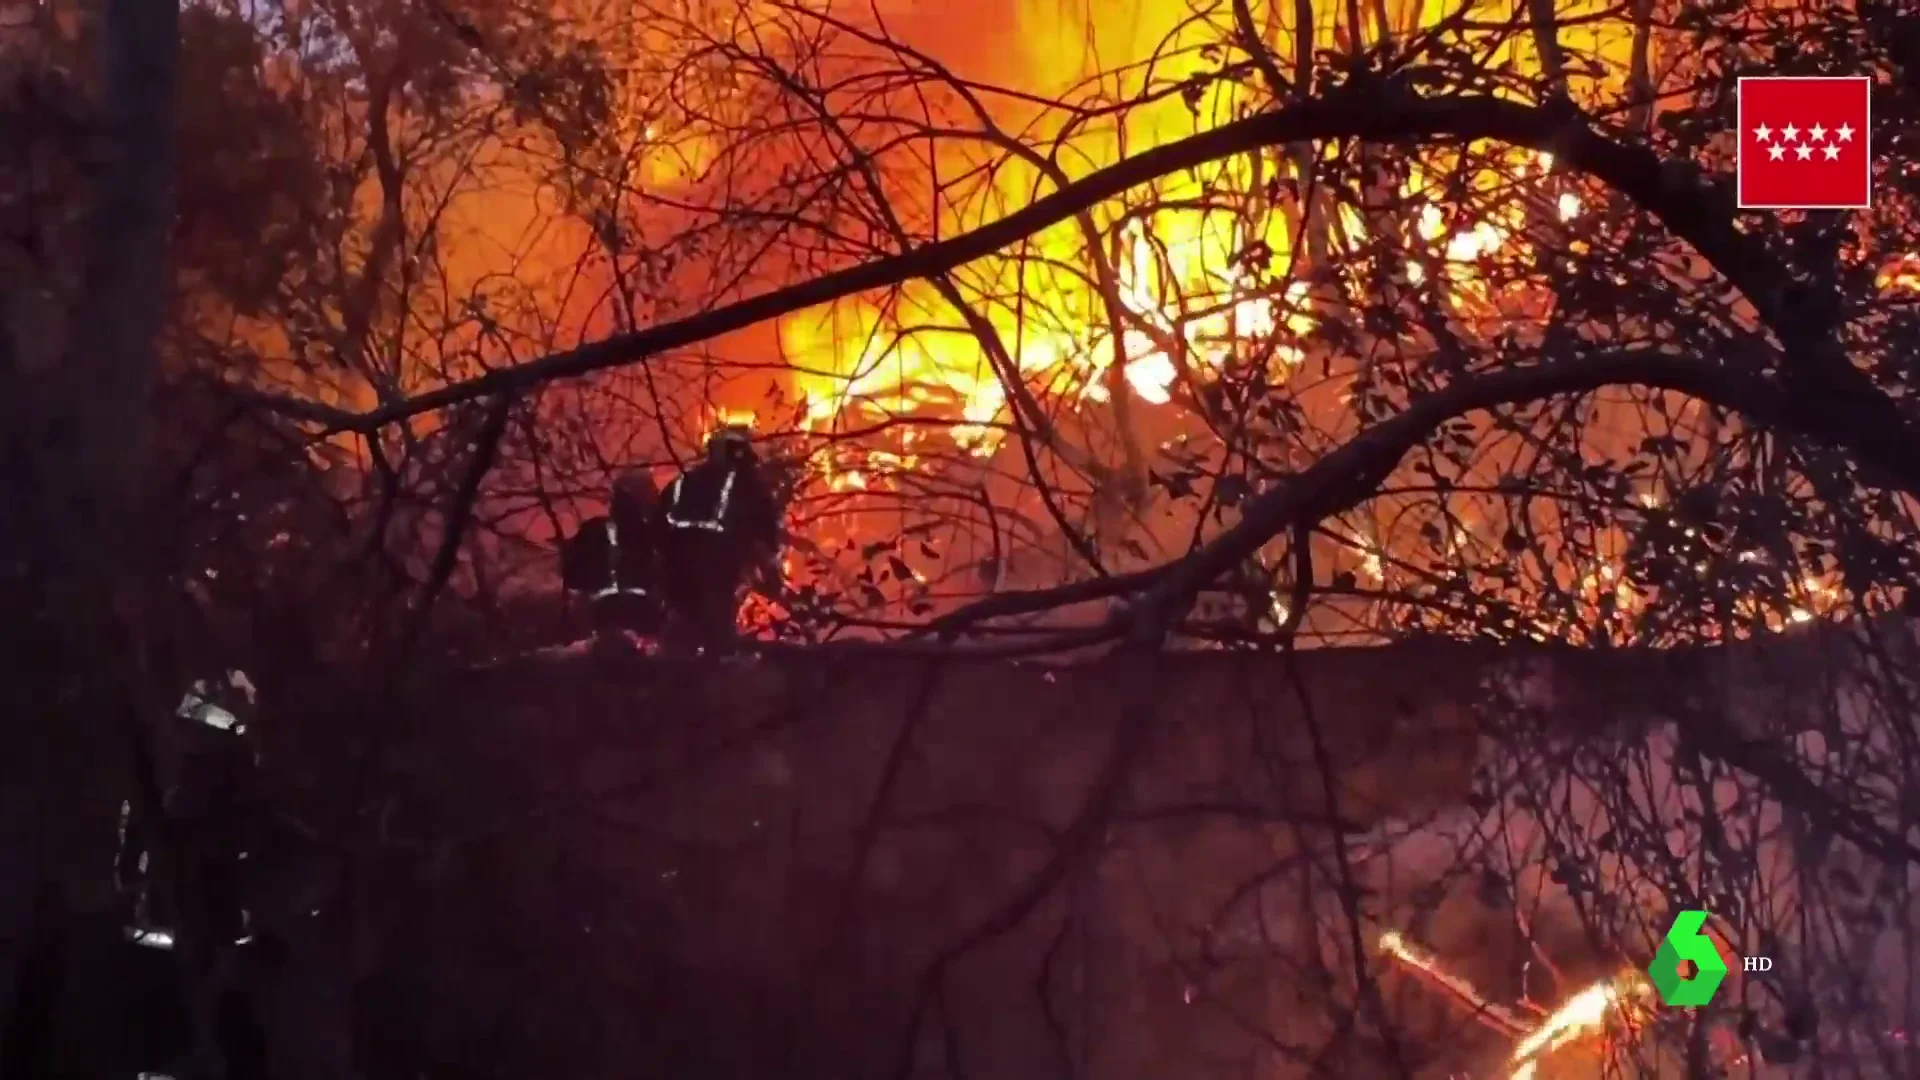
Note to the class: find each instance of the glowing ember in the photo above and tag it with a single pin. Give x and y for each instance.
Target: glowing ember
(1430, 972)
(1901, 275)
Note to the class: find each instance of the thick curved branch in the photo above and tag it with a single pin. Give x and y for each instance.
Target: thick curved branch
(1352, 473)
(1838, 404)
(1681, 201)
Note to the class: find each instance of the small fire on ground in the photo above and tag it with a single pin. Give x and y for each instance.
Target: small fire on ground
(1598, 1012)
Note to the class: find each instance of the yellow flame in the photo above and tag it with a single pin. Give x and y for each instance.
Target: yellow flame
(1199, 261)
(848, 359)
(1372, 567)
(1188, 299)
(1582, 1016)
(1487, 1012)
(724, 417)
(1900, 275)
(1187, 277)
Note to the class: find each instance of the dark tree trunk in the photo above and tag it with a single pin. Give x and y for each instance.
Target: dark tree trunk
(59, 733)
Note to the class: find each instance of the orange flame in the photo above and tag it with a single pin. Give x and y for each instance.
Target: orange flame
(1189, 274)
(1430, 972)
(1583, 1016)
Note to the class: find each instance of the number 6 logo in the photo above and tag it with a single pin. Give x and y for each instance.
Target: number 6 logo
(1685, 942)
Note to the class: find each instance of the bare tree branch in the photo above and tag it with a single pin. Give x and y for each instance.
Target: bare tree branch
(1675, 194)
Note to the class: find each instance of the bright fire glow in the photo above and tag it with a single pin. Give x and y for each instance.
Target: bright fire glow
(1430, 972)
(1584, 1015)
(1204, 271)
(1179, 293)
(723, 417)
(1194, 277)
(846, 358)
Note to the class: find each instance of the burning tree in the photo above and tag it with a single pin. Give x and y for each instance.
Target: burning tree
(1247, 326)
(1241, 293)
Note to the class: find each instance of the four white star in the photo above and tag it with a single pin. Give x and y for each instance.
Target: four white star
(1845, 133)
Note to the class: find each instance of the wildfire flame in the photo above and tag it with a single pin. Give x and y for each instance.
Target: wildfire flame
(1204, 269)
(1430, 972)
(1585, 1015)
(1183, 284)
(1198, 271)
(722, 417)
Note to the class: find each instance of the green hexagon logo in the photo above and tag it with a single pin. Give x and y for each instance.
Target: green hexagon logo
(1684, 941)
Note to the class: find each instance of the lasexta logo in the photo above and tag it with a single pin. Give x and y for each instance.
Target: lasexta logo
(1685, 943)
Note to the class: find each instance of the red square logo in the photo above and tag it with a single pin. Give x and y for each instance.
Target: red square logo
(1803, 143)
